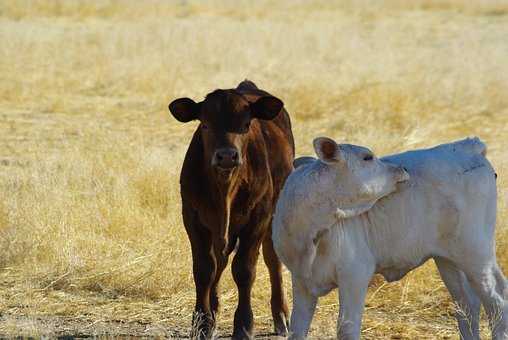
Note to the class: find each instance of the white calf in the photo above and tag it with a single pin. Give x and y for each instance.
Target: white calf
(347, 215)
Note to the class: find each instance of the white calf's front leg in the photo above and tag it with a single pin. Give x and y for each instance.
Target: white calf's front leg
(304, 304)
(353, 286)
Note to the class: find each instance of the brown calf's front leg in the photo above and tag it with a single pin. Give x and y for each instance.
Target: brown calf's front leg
(204, 271)
(244, 273)
(222, 262)
(278, 303)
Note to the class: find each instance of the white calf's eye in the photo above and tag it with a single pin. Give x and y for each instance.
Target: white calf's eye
(368, 158)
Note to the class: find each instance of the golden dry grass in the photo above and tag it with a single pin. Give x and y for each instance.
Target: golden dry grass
(90, 225)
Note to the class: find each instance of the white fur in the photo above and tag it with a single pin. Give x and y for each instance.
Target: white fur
(341, 219)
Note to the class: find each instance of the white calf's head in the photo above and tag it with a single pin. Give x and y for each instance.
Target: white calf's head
(354, 177)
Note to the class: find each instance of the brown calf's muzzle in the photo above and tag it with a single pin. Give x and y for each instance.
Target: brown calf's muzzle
(226, 158)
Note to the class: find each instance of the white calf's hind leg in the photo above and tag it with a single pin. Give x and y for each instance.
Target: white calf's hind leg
(468, 315)
(487, 284)
(502, 289)
(304, 305)
(502, 283)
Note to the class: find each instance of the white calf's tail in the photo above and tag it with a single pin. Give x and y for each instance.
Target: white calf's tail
(472, 145)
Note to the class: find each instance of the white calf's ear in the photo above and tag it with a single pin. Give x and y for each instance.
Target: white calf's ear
(302, 161)
(326, 149)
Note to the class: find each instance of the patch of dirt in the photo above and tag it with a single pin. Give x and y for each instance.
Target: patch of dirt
(77, 328)
(68, 327)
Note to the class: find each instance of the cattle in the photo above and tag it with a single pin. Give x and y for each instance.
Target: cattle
(347, 215)
(235, 166)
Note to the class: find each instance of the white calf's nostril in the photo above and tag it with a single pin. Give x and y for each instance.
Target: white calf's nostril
(403, 174)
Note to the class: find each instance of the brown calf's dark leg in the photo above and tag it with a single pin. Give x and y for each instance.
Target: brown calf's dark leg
(278, 303)
(204, 273)
(244, 273)
(222, 262)
(204, 269)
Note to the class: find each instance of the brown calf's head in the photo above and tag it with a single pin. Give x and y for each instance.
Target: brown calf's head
(225, 117)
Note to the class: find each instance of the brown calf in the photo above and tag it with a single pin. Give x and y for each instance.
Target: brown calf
(235, 166)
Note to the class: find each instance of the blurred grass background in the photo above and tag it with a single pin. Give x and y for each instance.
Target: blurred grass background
(90, 224)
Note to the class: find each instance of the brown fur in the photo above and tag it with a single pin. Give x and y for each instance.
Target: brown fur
(221, 209)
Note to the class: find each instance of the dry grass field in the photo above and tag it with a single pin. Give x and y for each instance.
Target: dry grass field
(91, 235)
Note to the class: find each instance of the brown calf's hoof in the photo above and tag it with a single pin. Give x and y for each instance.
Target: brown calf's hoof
(203, 326)
(242, 335)
(281, 325)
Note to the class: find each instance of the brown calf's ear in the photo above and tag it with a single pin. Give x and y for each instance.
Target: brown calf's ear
(267, 107)
(327, 149)
(184, 109)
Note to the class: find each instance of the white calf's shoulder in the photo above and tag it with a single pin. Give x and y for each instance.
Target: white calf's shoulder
(302, 210)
